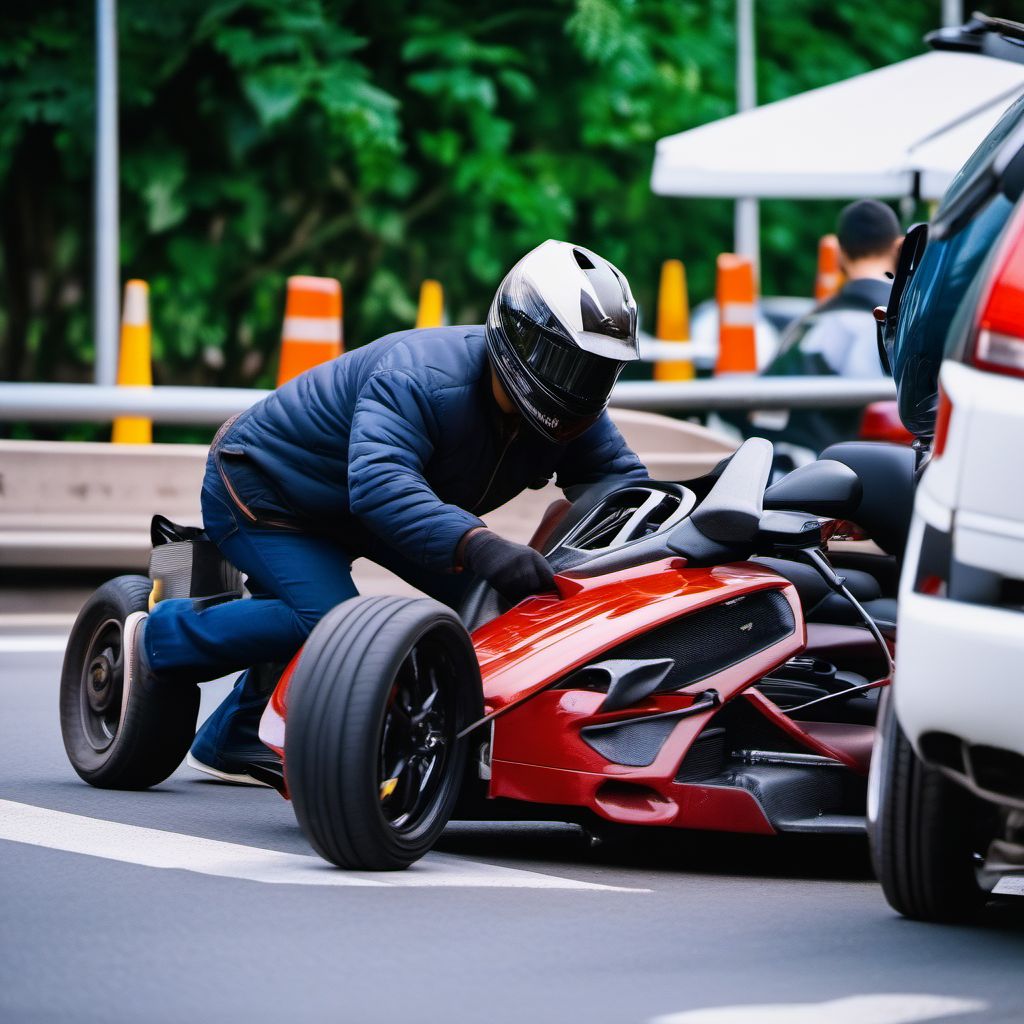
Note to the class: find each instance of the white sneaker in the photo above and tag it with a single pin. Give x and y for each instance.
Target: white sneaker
(239, 779)
(132, 661)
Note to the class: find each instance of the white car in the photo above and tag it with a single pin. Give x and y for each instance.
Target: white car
(946, 792)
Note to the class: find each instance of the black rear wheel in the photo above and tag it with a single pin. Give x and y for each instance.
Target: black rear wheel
(372, 756)
(111, 742)
(927, 833)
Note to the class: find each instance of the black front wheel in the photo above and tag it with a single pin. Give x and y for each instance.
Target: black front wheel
(372, 755)
(927, 833)
(116, 740)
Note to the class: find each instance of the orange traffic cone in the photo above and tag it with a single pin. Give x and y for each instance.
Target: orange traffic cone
(737, 346)
(673, 320)
(312, 325)
(430, 312)
(830, 277)
(134, 364)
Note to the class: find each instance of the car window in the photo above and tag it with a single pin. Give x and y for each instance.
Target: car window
(979, 161)
(941, 281)
(938, 287)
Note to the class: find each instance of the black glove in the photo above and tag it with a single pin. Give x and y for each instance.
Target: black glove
(514, 570)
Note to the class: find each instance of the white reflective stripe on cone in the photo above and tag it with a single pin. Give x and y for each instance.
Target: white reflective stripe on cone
(328, 285)
(738, 314)
(136, 304)
(307, 328)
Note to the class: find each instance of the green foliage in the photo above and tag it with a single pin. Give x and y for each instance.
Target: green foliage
(379, 143)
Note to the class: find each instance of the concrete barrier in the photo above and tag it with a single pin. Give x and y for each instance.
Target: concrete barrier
(74, 505)
(70, 504)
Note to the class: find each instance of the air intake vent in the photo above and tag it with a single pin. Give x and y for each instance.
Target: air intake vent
(705, 759)
(582, 260)
(714, 638)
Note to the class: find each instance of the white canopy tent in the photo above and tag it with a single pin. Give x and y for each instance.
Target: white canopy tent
(897, 131)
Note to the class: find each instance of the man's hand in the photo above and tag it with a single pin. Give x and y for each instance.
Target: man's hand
(514, 570)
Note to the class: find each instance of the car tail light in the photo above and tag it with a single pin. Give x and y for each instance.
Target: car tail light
(999, 345)
(942, 415)
(881, 422)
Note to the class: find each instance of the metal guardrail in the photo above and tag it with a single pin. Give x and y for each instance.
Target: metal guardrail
(750, 393)
(93, 403)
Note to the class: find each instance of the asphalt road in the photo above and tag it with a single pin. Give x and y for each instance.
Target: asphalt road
(658, 927)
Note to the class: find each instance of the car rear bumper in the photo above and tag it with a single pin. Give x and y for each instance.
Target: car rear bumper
(959, 688)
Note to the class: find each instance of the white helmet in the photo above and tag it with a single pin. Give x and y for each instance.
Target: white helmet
(560, 329)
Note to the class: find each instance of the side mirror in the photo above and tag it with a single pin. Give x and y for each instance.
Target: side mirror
(822, 488)
(789, 530)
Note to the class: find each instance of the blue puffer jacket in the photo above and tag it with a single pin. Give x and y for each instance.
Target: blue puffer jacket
(401, 439)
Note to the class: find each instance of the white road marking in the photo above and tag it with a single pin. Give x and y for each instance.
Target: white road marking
(133, 844)
(42, 643)
(894, 1008)
(28, 620)
(1009, 885)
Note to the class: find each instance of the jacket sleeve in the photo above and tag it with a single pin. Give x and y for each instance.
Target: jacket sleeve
(600, 453)
(394, 427)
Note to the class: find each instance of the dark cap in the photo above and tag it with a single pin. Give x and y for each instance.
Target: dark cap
(867, 228)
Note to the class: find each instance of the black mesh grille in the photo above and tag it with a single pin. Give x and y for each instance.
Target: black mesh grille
(705, 758)
(705, 642)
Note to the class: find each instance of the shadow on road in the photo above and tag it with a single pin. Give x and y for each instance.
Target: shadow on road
(649, 849)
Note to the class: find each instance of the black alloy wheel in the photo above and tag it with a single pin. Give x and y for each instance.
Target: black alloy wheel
(372, 756)
(416, 740)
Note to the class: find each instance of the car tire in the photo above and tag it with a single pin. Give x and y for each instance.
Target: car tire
(355, 702)
(922, 827)
(113, 744)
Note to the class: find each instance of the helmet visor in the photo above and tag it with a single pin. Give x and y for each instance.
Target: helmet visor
(561, 366)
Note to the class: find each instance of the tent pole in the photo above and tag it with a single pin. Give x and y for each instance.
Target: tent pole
(107, 245)
(747, 227)
(952, 13)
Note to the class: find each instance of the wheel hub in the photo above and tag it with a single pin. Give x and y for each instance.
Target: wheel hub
(102, 681)
(416, 738)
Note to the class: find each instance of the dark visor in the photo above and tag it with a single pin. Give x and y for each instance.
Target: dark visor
(559, 364)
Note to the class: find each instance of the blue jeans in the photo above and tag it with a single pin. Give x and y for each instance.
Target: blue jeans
(295, 579)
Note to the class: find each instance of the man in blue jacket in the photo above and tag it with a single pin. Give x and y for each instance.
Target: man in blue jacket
(392, 452)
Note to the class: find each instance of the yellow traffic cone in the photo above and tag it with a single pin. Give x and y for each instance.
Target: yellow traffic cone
(135, 367)
(673, 320)
(430, 312)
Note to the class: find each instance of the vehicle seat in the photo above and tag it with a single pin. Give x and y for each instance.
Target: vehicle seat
(820, 604)
(883, 611)
(887, 476)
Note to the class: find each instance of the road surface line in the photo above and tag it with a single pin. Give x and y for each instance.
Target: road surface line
(892, 1008)
(28, 620)
(42, 643)
(150, 847)
(1009, 885)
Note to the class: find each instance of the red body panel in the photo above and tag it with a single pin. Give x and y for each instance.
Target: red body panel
(543, 638)
(538, 754)
(275, 714)
(714, 808)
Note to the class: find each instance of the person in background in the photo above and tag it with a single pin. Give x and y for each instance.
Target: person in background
(838, 337)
